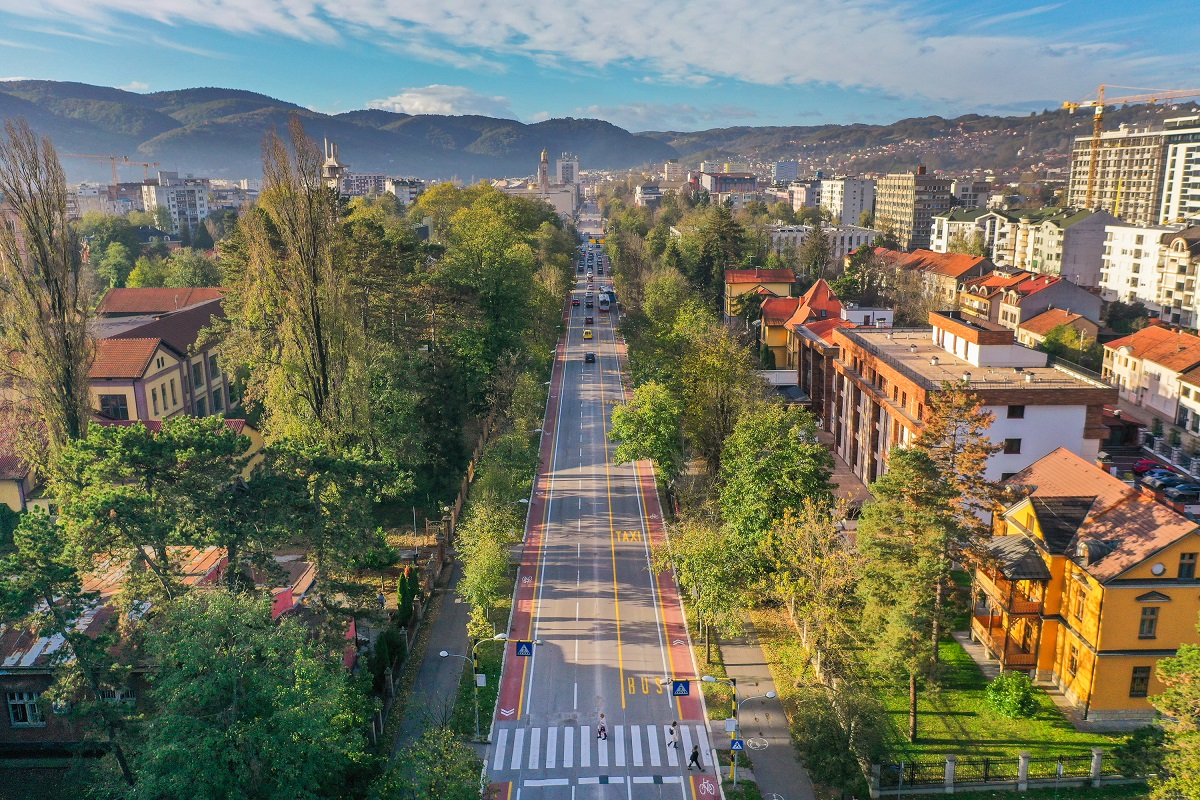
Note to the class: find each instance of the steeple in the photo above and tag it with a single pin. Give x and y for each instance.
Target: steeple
(543, 175)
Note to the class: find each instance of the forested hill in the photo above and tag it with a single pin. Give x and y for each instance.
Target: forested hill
(218, 133)
(1005, 144)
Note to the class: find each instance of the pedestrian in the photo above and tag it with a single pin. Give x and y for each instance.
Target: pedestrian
(602, 729)
(695, 759)
(674, 732)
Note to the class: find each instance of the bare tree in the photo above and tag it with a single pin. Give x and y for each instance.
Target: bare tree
(44, 308)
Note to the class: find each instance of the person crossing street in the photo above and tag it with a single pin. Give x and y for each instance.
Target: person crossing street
(695, 759)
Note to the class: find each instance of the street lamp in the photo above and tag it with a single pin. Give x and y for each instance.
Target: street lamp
(737, 715)
(474, 661)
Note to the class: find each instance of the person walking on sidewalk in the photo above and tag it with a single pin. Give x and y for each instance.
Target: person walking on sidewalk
(695, 759)
(602, 729)
(674, 734)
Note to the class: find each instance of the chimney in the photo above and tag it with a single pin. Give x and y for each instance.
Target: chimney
(933, 362)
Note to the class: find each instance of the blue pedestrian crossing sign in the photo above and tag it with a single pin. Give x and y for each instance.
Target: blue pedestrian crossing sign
(737, 744)
(681, 688)
(524, 648)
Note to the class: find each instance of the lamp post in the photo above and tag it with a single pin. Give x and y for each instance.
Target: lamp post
(474, 662)
(737, 716)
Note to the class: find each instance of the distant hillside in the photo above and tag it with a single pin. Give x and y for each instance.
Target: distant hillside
(219, 132)
(1005, 144)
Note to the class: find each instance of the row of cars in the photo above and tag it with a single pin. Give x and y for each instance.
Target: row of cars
(1178, 491)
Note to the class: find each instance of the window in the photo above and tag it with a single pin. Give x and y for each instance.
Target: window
(1012, 447)
(198, 374)
(114, 406)
(217, 405)
(160, 362)
(174, 399)
(201, 407)
(1073, 661)
(1139, 686)
(1187, 566)
(23, 709)
(1148, 629)
(1078, 601)
(118, 695)
(1016, 412)
(154, 398)
(1006, 475)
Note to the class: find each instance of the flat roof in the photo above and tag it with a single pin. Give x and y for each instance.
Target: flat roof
(896, 347)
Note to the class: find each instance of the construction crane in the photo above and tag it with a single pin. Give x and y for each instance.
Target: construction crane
(114, 160)
(1150, 96)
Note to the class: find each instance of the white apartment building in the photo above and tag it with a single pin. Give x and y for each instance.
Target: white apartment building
(1135, 269)
(805, 194)
(406, 190)
(992, 226)
(785, 171)
(848, 198)
(356, 184)
(1128, 177)
(566, 168)
(673, 171)
(1069, 243)
(971, 193)
(186, 200)
(843, 239)
(1181, 178)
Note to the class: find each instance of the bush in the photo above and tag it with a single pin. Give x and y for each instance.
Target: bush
(1141, 754)
(1011, 694)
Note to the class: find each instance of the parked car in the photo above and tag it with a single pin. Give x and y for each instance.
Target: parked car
(1144, 465)
(1180, 491)
(1161, 472)
(1166, 482)
(589, 358)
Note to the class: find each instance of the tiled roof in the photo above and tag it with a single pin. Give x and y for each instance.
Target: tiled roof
(951, 265)
(1049, 320)
(1174, 350)
(1122, 528)
(759, 276)
(778, 310)
(1190, 237)
(154, 300)
(1034, 284)
(824, 328)
(12, 467)
(179, 330)
(818, 303)
(123, 358)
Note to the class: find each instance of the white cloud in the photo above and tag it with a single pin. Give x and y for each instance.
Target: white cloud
(135, 86)
(441, 99)
(666, 116)
(899, 47)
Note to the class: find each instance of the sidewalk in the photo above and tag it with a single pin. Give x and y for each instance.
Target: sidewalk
(776, 768)
(433, 693)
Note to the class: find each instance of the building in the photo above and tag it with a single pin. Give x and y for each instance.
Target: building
(647, 195)
(405, 190)
(1033, 332)
(886, 377)
(186, 200)
(356, 184)
(843, 239)
(1130, 269)
(1040, 293)
(981, 296)
(786, 172)
(1092, 583)
(674, 172)
(1069, 243)
(1128, 179)
(848, 198)
(772, 330)
(1146, 367)
(566, 169)
(332, 168)
(941, 273)
(768, 282)
(543, 175)
(905, 203)
(811, 351)
(1181, 175)
(722, 182)
(805, 194)
(971, 193)
(962, 226)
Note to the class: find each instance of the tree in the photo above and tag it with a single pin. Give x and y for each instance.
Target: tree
(648, 426)
(1179, 703)
(483, 540)
(866, 219)
(902, 541)
(1064, 341)
(44, 308)
(815, 254)
(147, 272)
(115, 264)
(255, 696)
(771, 464)
(721, 383)
(862, 282)
(437, 766)
(1127, 317)
(972, 245)
(187, 267)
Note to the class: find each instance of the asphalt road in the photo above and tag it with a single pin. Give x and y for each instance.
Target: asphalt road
(610, 627)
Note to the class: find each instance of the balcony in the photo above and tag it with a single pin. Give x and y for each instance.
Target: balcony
(1006, 594)
(1005, 649)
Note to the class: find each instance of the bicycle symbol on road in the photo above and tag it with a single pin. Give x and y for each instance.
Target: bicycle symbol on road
(757, 744)
(706, 787)
(526, 580)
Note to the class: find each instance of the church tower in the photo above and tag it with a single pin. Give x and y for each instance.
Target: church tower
(543, 175)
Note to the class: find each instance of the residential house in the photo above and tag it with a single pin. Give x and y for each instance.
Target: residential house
(17, 481)
(139, 302)
(772, 335)
(885, 379)
(981, 296)
(1090, 583)
(1146, 366)
(772, 282)
(942, 273)
(1033, 332)
(1039, 294)
(1069, 243)
(1133, 270)
(958, 223)
(843, 239)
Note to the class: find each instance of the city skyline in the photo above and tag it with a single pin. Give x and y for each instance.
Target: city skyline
(684, 66)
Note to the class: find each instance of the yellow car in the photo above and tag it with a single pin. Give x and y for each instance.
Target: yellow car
(587, 333)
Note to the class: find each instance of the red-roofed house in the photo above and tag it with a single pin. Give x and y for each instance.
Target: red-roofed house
(776, 282)
(1039, 294)
(942, 272)
(1146, 367)
(128, 302)
(772, 335)
(981, 296)
(1033, 332)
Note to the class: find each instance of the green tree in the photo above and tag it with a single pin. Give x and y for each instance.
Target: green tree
(147, 272)
(648, 426)
(862, 282)
(1127, 317)
(187, 267)
(1064, 341)
(44, 307)
(971, 245)
(1179, 703)
(770, 465)
(866, 219)
(902, 540)
(816, 254)
(101, 230)
(115, 264)
(483, 540)
(437, 766)
(783, 212)
(255, 696)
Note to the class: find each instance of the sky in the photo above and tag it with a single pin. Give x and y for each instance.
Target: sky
(661, 65)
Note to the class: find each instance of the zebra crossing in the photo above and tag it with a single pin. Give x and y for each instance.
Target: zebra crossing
(578, 747)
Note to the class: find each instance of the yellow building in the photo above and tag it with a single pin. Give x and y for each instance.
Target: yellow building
(1090, 583)
(768, 282)
(772, 335)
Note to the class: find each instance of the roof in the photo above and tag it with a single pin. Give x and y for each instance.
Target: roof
(1190, 237)
(13, 467)
(1018, 559)
(1032, 285)
(1174, 350)
(759, 276)
(824, 328)
(181, 329)
(123, 358)
(995, 281)
(1120, 529)
(777, 310)
(1059, 518)
(951, 265)
(818, 303)
(154, 300)
(1049, 320)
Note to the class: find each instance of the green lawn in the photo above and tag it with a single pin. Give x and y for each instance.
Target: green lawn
(1133, 791)
(491, 659)
(956, 719)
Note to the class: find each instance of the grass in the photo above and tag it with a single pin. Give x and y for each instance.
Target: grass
(1133, 791)
(491, 660)
(956, 719)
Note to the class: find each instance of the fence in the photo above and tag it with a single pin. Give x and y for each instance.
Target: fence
(944, 776)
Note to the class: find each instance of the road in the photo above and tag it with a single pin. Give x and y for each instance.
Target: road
(610, 627)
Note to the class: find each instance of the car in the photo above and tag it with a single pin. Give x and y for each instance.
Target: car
(579, 268)
(574, 301)
(589, 358)
(1144, 465)
(587, 333)
(1165, 482)
(1182, 490)
(1161, 472)
(589, 319)
(588, 304)
(589, 278)
(600, 270)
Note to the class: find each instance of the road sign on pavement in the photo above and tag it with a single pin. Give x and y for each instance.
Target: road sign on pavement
(524, 648)
(737, 745)
(681, 688)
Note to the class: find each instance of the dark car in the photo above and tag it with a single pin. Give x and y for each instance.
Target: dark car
(600, 270)
(1180, 492)
(1166, 482)
(1161, 472)
(1144, 465)
(589, 319)
(574, 301)
(588, 304)
(589, 358)
(579, 268)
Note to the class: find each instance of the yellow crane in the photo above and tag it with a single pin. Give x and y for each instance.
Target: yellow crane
(1149, 96)
(114, 160)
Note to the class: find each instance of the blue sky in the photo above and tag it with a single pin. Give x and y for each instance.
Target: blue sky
(667, 64)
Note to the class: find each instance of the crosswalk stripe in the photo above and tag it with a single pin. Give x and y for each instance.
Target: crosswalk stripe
(619, 745)
(568, 748)
(705, 748)
(585, 746)
(602, 752)
(552, 747)
(637, 745)
(672, 751)
(535, 747)
(518, 745)
(687, 741)
(652, 736)
(501, 742)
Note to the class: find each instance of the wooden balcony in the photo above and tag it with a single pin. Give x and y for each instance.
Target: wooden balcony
(1005, 649)
(1006, 594)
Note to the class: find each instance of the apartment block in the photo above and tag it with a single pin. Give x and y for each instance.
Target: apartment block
(971, 193)
(1128, 180)
(843, 239)
(785, 171)
(1147, 366)
(721, 182)
(906, 202)
(186, 200)
(848, 198)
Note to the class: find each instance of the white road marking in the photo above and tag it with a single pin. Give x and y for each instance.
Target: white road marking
(602, 752)
(687, 740)
(619, 745)
(501, 743)
(568, 748)
(672, 752)
(547, 782)
(577, 605)
(705, 747)
(518, 746)
(575, 696)
(636, 737)
(585, 746)
(551, 748)
(652, 737)
(535, 747)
